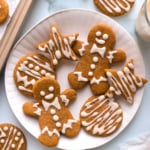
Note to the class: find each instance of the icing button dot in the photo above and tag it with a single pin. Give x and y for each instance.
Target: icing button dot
(92, 66)
(12, 145)
(58, 124)
(95, 59)
(30, 66)
(52, 111)
(90, 73)
(48, 75)
(56, 118)
(16, 138)
(25, 62)
(19, 133)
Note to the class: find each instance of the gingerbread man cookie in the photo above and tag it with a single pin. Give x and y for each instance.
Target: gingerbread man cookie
(31, 68)
(50, 108)
(12, 138)
(58, 46)
(114, 7)
(101, 116)
(98, 55)
(125, 82)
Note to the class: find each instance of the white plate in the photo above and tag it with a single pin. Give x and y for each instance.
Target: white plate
(71, 21)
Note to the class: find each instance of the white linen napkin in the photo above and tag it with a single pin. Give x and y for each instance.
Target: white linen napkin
(12, 7)
(141, 142)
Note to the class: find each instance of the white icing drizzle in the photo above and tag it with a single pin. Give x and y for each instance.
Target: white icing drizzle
(100, 51)
(59, 47)
(111, 55)
(101, 122)
(55, 103)
(50, 133)
(98, 81)
(3, 134)
(68, 125)
(65, 99)
(127, 83)
(80, 77)
(116, 6)
(21, 142)
(38, 109)
(82, 49)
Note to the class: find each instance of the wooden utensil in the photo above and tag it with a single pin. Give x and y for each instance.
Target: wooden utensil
(12, 30)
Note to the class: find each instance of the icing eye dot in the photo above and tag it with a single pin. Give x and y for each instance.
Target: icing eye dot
(42, 93)
(43, 72)
(98, 33)
(30, 65)
(37, 68)
(51, 88)
(5, 128)
(105, 36)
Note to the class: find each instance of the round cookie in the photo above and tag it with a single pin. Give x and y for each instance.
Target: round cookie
(114, 7)
(4, 11)
(29, 69)
(11, 138)
(101, 116)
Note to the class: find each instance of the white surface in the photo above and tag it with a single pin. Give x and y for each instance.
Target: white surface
(140, 123)
(69, 22)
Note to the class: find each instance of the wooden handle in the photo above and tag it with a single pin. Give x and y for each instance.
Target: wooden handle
(12, 30)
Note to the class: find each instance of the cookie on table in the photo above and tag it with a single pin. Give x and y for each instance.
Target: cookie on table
(124, 82)
(51, 110)
(114, 7)
(12, 138)
(58, 46)
(29, 69)
(97, 55)
(101, 115)
(4, 11)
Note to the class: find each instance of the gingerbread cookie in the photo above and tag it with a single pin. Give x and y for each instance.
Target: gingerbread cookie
(11, 138)
(58, 46)
(101, 116)
(4, 11)
(98, 55)
(114, 7)
(53, 115)
(31, 68)
(125, 82)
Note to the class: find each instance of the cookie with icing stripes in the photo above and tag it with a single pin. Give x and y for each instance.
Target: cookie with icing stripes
(12, 138)
(29, 69)
(114, 7)
(101, 115)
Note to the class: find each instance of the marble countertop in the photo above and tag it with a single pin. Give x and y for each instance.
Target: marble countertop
(41, 9)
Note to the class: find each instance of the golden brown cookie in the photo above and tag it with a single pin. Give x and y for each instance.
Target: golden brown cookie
(114, 7)
(4, 11)
(125, 82)
(29, 69)
(52, 112)
(98, 55)
(101, 116)
(58, 46)
(11, 138)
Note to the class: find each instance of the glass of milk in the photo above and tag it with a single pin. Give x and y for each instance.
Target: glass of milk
(143, 21)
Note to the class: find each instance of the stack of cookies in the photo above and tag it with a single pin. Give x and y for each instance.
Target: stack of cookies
(101, 115)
